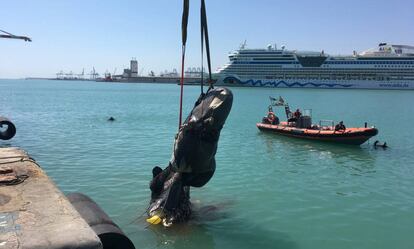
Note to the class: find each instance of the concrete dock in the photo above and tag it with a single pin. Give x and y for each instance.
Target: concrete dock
(34, 213)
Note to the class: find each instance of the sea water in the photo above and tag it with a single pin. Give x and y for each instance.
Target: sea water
(268, 191)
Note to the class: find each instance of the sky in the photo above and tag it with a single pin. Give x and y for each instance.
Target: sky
(72, 35)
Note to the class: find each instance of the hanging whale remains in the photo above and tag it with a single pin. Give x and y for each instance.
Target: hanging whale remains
(193, 159)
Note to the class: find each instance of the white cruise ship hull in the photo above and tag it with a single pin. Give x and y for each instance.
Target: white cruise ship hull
(328, 84)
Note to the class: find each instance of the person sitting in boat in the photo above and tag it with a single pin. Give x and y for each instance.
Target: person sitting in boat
(272, 118)
(315, 127)
(340, 126)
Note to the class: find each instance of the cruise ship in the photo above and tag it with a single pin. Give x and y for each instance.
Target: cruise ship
(386, 67)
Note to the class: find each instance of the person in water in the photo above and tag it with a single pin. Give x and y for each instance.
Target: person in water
(157, 181)
(176, 201)
(340, 126)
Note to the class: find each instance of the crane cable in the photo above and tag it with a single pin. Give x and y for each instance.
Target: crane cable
(204, 38)
(184, 23)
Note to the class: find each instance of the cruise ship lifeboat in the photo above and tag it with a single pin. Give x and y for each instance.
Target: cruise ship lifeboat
(354, 136)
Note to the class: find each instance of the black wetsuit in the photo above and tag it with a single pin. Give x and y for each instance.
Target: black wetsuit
(340, 127)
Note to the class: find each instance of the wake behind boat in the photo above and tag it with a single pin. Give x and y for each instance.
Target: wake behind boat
(300, 126)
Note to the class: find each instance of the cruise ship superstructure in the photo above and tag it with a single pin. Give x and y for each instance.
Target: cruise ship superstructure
(386, 67)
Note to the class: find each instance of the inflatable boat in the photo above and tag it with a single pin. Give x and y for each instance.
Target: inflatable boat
(354, 136)
(300, 126)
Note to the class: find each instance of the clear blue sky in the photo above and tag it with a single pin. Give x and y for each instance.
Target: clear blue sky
(75, 34)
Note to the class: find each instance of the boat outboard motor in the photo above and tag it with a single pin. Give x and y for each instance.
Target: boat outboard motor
(193, 160)
(9, 131)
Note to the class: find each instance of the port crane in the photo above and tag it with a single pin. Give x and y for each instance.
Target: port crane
(59, 75)
(11, 36)
(94, 74)
(80, 76)
(8, 128)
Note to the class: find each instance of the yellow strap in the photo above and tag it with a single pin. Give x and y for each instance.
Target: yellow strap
(154, 220)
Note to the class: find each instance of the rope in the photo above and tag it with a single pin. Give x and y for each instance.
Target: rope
(139, 216)
(17, 161)
(9, 157)
(204, 34)
(184, 24)
(181, 88)
(19, 179)
(21, 159)
(202, 56)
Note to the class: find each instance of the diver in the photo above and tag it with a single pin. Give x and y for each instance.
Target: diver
(157, 182)
(378, 144)
(340, 126)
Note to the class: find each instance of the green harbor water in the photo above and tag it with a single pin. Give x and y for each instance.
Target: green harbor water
(268, 191)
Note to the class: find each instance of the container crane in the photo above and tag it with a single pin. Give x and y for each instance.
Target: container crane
(8, 129)
(11, 36)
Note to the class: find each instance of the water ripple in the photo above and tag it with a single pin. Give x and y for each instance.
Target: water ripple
(284, 193)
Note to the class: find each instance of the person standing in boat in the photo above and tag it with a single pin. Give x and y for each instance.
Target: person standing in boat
(340, 126)
(295, 116)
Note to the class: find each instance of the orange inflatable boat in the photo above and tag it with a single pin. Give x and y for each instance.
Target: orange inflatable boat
(354, 136)
(300, 126)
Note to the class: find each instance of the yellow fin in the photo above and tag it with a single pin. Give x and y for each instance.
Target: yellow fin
(154, 220)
